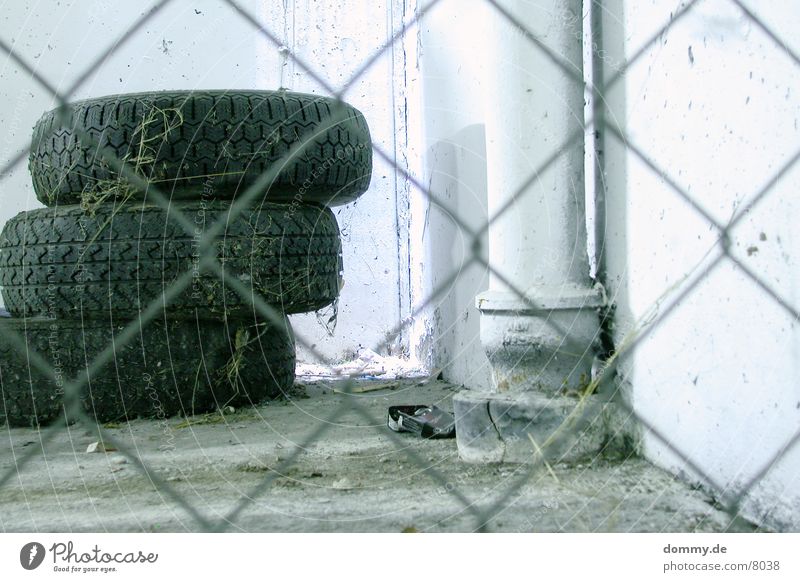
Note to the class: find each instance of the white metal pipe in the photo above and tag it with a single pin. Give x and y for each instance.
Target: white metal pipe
(535, 104)
(538, 242)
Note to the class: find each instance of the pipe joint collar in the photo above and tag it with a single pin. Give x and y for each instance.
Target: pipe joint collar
(568, 296)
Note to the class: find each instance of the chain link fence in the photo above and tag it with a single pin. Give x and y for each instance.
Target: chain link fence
(731, 502)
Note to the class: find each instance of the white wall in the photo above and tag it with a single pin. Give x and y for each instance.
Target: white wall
(204, 45)
(715, 104)
(454, 158)
(336, 37)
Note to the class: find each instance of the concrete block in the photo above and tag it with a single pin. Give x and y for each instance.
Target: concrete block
(494, 428)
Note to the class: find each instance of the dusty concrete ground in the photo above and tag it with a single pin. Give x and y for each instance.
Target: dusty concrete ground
(352, 479)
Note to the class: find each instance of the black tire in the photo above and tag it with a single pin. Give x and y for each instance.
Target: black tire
(172, 367)
(182, 140)
(61, 262)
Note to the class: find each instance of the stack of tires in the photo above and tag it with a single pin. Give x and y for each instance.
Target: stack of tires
(75, 274)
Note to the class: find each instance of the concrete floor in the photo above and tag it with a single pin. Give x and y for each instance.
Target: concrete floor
(353, 479)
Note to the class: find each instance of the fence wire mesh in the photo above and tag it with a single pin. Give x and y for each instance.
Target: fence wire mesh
(731, 501)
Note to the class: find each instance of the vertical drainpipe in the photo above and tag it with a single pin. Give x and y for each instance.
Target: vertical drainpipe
(540, 346)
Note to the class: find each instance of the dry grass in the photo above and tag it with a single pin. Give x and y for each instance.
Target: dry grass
(149, 134)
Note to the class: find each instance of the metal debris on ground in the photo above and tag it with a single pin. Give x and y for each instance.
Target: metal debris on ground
(428, 422)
